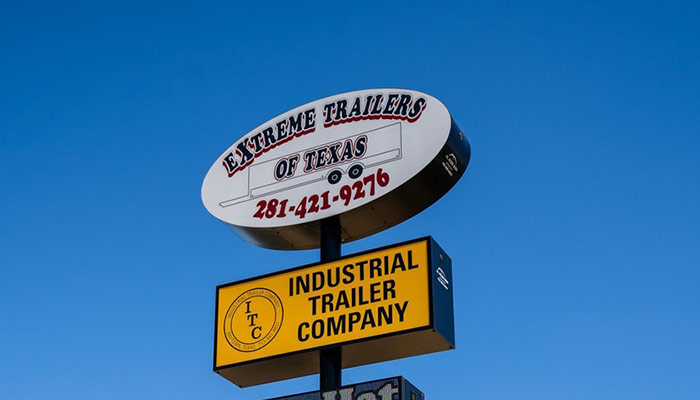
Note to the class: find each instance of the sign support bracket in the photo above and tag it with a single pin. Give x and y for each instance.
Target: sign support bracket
(330, 360)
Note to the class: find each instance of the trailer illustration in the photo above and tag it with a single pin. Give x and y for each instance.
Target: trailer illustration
(383, 145)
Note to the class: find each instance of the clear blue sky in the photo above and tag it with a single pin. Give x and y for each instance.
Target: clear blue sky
(574, 233)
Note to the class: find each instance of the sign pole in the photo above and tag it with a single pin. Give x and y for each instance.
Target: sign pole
(330, 359)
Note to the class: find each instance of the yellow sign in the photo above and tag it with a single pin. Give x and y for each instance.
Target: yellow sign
(355, 298)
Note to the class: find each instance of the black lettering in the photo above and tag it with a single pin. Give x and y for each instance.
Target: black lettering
(331, 283)
(268, 134)
(361, 296)
(390, 100)
(389, 287)
(341, 111)
(385, 314)
(295, 124)
(368, 103)
(375, 266)
(401, 310)
(398, 263)
(411, 265)
(349, 275)
(336, 325)
(244, 151)
(417, 109)
(251, 318)
(374, 292)
(303, 337)
(302, 284)
(347, 150)
(353, 318)
(293, 161)
(282, 129)
(318, 279)
(377, 109)
(320, 158)
(342, 300)
(328, 113)
(259, 329)
(309, 160)
(326, 303)
(309, 119)
(334, 154)
(230, 163)
(356, 110)
(360, 146)
(317, 329)
(362, 264)
(368, 320)
(402, 108)
(313, 300)
(257, 141)
(281, 169)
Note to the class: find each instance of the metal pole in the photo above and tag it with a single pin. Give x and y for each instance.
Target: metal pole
(330, 360)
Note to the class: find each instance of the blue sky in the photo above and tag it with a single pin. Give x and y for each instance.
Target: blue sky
(574, 233)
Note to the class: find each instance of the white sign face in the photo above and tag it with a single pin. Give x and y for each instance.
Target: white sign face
(326, 158)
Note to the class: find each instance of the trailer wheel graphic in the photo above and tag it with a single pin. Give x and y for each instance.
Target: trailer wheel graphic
(334, 176)
(355, 171)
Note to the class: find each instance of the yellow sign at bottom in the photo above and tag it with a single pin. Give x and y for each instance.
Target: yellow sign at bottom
(356, 298)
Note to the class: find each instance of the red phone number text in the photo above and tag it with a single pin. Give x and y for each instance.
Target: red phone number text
(359, 189)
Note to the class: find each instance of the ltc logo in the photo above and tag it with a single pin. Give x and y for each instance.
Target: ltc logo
(253, 319)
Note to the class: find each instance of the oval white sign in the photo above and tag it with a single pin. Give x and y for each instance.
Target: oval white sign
(341, 155)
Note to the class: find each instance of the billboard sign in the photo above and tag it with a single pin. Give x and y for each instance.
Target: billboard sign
(397, 388)
(359, 155)
(379, 305)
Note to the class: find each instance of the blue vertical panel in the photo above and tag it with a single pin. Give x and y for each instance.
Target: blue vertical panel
(442, 297)
(410, 392)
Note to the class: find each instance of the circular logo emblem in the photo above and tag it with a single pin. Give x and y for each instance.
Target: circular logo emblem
(253, 319)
